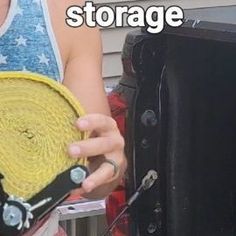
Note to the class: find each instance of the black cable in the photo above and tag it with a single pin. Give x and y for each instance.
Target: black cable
(147, 182)
(111, 226)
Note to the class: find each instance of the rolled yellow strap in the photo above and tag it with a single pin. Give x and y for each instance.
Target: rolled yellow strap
(37, 117)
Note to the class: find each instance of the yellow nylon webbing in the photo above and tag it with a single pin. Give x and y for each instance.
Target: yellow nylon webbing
(37, 118)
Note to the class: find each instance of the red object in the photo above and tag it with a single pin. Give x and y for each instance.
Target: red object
(118, 110)
(73, 197)
(116, 200)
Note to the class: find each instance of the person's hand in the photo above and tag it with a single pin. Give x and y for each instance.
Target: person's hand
(105, 143)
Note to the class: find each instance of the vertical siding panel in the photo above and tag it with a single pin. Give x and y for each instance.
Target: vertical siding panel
(113, 38)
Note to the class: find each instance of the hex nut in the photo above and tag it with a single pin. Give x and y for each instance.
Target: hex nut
(77, 175)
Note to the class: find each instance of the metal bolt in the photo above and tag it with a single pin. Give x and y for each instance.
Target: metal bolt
(158, 208)
(152, 228)
(12, 215)
(77, 175)
(149, 118)
(145, 143)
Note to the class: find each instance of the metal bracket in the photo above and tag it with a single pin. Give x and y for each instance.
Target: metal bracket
(18, 215)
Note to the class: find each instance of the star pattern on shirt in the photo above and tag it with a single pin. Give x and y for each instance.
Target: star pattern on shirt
(3, 59)
(19, 11)
(21, 41)
(39, 60)
(43, 59)
(39, 28)
(37, 2)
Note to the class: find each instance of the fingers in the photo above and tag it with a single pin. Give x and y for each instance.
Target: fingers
(96, 122)
(108, 143)
(109, 138)
(99, 177)
(95, 146)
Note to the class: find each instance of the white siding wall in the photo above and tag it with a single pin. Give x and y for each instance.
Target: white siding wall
(113, 38)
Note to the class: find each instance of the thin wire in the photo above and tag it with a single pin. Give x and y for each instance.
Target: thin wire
(147, 182)
(111, 226)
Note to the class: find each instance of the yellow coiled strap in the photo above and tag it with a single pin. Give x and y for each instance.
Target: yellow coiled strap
(37, 117)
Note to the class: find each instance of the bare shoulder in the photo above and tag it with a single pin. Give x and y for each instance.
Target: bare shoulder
(58, 9)
(81, 50)
(68, 37)
(66, 3)
(83, 34)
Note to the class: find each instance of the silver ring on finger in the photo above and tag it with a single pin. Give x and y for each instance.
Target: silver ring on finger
(114, 164)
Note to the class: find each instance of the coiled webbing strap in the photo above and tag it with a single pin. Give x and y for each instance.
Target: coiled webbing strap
(37, 117)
